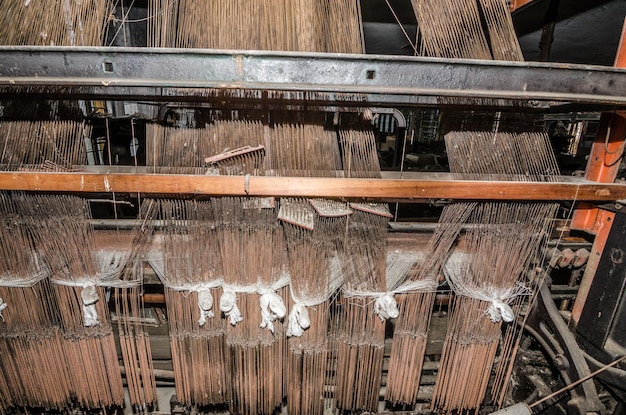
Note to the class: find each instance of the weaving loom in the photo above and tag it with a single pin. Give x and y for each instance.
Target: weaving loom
(189, 228)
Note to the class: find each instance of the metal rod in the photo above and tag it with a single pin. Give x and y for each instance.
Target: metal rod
(578, 382)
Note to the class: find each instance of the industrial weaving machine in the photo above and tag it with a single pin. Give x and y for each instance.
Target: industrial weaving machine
(241, 218)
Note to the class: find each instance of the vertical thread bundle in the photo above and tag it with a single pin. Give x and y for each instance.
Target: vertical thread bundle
(33, 371)
(42, 145)
(493, 256)
(455, 29)
(298, 25)
(54, 23)
(191, 258)
(360, 342)
(134, 340)
(415, 308)
(65, 237)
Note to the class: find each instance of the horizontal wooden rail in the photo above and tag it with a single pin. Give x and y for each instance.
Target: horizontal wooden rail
(414, 187)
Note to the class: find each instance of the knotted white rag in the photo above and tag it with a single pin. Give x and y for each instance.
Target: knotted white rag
(499, 310)
(89, 295)
(228, 306)
(459, 279)
(386, 307)
(272, 308)
(3, 306)
(205, 304)
(298, 320)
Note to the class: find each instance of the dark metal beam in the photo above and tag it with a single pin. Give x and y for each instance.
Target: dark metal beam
(353, 80)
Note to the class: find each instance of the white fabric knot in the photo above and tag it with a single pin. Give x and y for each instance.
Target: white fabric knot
(205, 304)
(228, 306)
(386, 307)
(499, 310)
(298, 321)
(459, 277)
(3, 306)
(89, 295)
(272, 308)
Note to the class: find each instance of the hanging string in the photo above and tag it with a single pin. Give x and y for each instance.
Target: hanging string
(406, 35)
(608, 135)
(124, 20)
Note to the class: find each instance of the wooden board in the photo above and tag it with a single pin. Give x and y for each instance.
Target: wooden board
(414, 188)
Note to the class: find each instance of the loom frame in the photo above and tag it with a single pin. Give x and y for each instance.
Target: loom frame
(304, 79)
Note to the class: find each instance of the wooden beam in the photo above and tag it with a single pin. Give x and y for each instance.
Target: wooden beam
(438, 186)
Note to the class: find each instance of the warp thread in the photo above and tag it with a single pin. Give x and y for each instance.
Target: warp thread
(96, 281)
(385, 305)
(271, 304)
(89, 293)
(299, 319)
(498, 298)
(205, 298)
(12, 280)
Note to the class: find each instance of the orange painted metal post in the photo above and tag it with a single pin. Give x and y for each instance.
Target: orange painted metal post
(602, 166)
(516, 4)
(602, 227)
(606, 152)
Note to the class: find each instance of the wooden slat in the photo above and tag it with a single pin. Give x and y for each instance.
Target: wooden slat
(417, 187)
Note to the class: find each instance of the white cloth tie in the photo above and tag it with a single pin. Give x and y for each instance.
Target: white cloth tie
(3, 306)
(299, 321)
(205, 304)
(386, 307)
(499, 310)
(460, 280)
(228, 306)
(272, 308)
(89, 295)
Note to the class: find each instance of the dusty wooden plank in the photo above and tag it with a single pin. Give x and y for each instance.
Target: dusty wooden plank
(412, 189)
